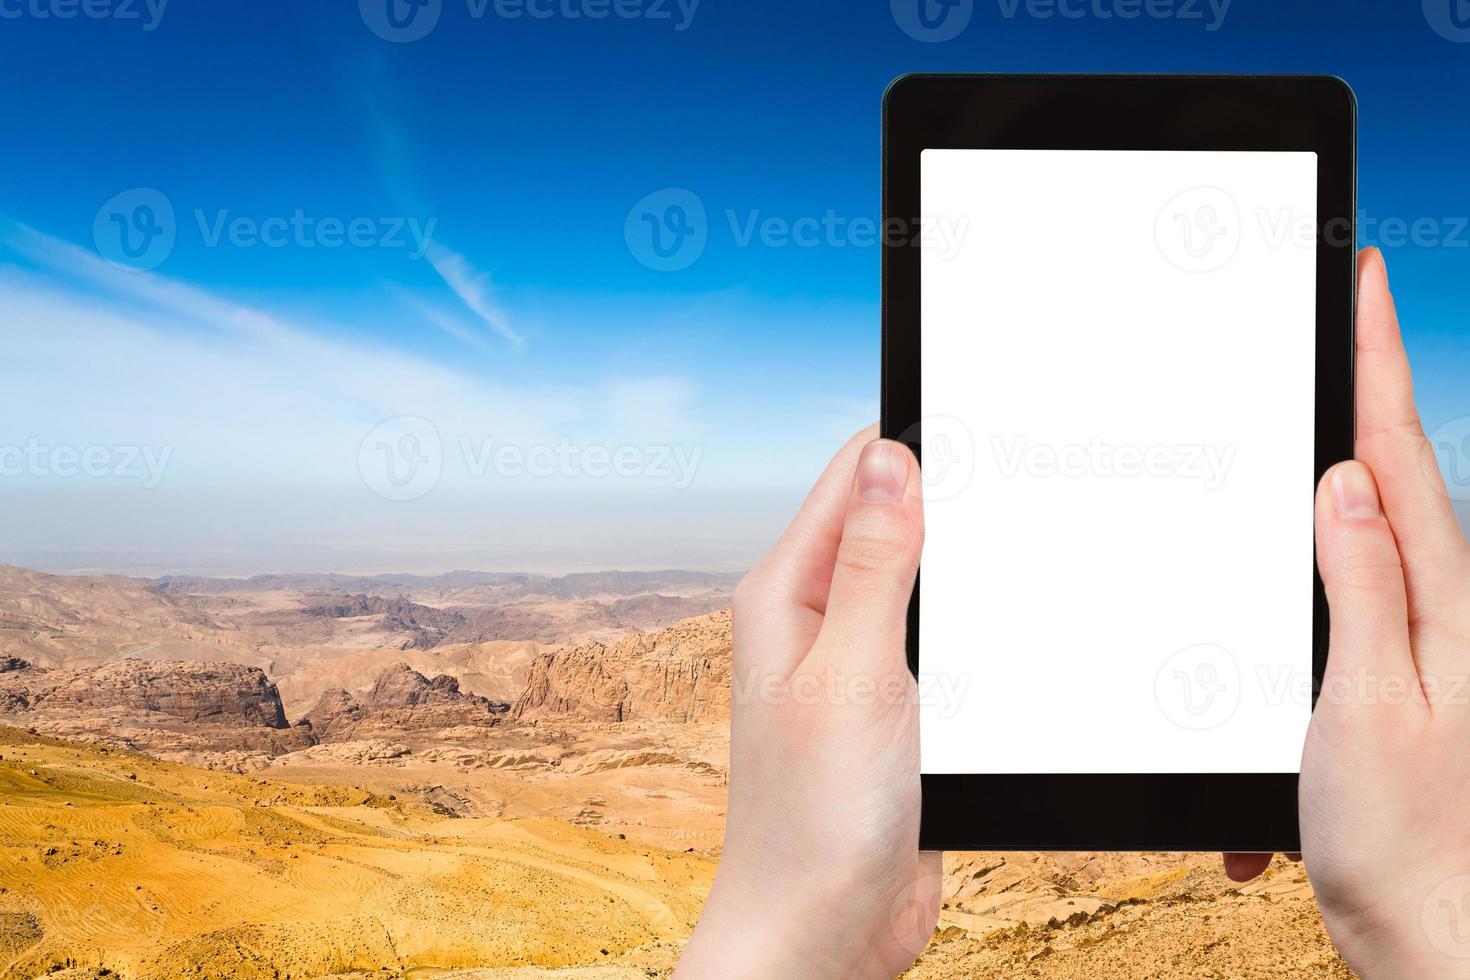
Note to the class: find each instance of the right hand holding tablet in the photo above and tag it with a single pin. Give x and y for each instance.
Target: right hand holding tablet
(1385, 790)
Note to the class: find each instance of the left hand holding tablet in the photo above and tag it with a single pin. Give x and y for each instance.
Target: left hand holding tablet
(821, 875)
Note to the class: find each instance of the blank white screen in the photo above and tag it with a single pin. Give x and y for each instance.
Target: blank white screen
(1118, 362)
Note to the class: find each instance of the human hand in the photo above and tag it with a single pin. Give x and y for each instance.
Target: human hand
(821, 875)
(1385, 788)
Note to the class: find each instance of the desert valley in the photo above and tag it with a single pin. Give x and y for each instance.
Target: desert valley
(473, 774)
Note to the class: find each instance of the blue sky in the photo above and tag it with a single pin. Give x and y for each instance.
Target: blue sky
(521, 144)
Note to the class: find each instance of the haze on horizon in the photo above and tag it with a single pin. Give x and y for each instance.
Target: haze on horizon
(158, 428)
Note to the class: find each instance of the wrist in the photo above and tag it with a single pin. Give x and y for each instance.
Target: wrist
(778, 927)
(1428, 943)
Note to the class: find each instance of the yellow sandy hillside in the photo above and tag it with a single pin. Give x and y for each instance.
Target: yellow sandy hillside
(112, 861)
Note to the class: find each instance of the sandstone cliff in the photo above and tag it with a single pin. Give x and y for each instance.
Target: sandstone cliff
(193, 693)
(401, 700)
(173, 706)
(679, 674)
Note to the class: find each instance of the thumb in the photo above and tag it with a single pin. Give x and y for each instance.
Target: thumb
(1364, 578)
(877, 560)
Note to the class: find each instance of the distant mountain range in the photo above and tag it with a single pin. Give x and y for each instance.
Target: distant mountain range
(577, 585)
(218, 670)
(312, 633)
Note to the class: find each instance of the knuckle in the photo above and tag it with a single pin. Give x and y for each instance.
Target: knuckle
(1404, 428)
(876, 550)
(1367, 574)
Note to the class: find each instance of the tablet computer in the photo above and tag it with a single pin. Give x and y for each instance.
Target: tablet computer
(1117, 330)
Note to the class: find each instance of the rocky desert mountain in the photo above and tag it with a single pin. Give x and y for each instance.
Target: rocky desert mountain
(402, 701)
(681, 674)
(74, 621)
(314, 633)
(577, 585)
(172, 708)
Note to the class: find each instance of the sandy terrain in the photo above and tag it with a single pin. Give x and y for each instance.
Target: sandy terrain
(571, 832)
(110, 860)
(1086, 916)
(152, 869)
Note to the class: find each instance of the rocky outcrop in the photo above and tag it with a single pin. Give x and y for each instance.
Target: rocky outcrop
(17, 678)
(191, 693)
(602, 760)
(400, 686)
(335, 711)
(680, 674)
(373, 752)
(154, 704)
(427, 626)
(401, 699)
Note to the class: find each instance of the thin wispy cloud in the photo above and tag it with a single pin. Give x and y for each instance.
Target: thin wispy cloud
(453, 325)
(392, 151)
(257, 419)
(241, 393)
(474, 289)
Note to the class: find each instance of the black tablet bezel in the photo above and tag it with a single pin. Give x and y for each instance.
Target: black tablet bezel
(1234, 812)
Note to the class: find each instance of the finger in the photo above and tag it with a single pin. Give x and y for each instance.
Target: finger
(876, 561)
(1390, 439)
(1244, 867)
(1364, 579)
(779, 604)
